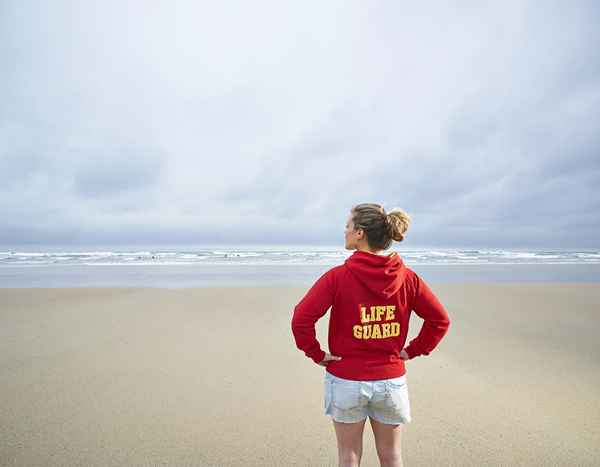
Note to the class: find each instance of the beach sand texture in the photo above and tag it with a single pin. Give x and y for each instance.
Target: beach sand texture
(212, 377)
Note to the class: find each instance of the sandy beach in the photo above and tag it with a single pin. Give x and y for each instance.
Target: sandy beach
(211, 377)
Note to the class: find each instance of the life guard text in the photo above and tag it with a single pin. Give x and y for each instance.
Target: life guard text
(376, 330)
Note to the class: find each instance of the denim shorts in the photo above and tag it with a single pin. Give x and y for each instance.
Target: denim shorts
(350, 401)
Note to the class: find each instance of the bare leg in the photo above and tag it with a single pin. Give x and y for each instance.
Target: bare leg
(350, 442)
(388, 442)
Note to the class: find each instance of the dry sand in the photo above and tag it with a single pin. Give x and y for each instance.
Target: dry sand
(211, 377)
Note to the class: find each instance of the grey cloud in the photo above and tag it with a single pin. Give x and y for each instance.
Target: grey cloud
(478, 120)
(112, 171)
(322, 161)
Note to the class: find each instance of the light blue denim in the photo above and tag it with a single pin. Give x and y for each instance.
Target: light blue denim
(350, 401)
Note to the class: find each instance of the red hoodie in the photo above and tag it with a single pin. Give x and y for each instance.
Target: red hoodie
(371, 297)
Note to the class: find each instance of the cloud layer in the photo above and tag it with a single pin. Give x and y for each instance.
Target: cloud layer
(264, 122)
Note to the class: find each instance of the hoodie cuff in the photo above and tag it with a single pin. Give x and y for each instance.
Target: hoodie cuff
(319, 357)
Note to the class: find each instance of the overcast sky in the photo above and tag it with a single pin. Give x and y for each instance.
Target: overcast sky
(264, 122)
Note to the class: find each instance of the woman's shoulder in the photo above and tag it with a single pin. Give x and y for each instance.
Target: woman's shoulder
(411, 281)
(335, 272)
(337, 269)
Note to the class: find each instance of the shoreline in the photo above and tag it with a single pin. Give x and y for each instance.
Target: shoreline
(206, 276)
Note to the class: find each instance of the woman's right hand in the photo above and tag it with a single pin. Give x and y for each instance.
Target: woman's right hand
(328, 358)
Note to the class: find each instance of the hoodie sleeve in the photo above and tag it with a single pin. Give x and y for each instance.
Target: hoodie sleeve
(436, 321)
(307, 312)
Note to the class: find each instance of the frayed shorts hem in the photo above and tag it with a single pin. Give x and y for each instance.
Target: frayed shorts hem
(385, 421)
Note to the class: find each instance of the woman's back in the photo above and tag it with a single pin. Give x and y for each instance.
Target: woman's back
(371, 297)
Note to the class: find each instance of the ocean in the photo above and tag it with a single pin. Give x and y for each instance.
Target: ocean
(290, 265)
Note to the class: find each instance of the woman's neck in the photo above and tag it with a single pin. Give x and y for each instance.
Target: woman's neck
(366, 250)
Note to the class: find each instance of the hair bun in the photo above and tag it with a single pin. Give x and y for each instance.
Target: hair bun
(399, 221)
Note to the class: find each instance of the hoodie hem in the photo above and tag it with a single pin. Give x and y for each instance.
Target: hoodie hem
(367, 371)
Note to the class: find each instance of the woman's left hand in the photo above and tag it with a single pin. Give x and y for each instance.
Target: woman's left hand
(328, 358)
(404, 355)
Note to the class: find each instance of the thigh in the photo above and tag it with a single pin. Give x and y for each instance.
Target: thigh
(349, 435)
(388, 438)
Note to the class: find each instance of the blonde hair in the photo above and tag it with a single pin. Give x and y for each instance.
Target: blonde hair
(380, 227)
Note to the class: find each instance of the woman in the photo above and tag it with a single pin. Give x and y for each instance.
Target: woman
(371, 297)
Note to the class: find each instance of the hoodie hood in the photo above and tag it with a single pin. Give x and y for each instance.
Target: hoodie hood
(383, 275)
